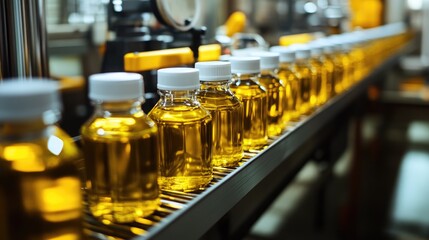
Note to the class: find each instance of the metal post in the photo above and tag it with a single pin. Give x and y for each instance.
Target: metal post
(425, 34)
(23, 39)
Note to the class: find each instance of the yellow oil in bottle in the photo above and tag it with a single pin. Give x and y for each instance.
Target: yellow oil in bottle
(246, 87)
(185, 131)
(40, 186)
(337, 86)
(287, 74)
(357, 56)
(328, 66)
(321, 75)
(226, 111)
(305, 76)
(276, 92)
(348, 68)
(121, 150)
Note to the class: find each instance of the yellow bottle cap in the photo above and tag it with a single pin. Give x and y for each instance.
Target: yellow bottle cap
(295, 38)
(150, 60)
(235, 23)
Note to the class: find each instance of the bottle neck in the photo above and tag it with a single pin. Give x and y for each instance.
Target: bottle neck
(269, 71)
(29, 128)
(110, 108)
(245, 76)
(177, 95)
(222, 85)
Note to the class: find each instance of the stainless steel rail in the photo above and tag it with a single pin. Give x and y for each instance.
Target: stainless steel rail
(192, 215)
(23, 40)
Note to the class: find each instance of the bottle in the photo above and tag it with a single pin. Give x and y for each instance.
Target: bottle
(330, 56)
(121, 150)
(245, 85)
(287, 73)
(322, 70)
(307, 79)
(226, 111)
(185, 131)
(40, 186)
(276, 92)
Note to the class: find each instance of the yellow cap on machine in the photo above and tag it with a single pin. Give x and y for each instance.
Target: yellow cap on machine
(150, 60)
(296, 38)
(235, 23)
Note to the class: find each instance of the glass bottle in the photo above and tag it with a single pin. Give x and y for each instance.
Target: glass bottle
(307, 79)
(245, 85)
(287, 73)
(185, 131)
(40, 186)
(322, 70)
(276, 91)
(121, 150)
(226, 110)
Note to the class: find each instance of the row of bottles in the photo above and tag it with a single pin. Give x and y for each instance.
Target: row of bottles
(206, 117)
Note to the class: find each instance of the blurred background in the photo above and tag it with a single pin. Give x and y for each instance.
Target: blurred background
(378, 188)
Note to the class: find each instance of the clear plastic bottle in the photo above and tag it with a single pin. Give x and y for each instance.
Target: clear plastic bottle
(245, 85)
(276, 91)
(185, 131)
(287, 73)
(307, 79)
(121, 150)
(322, 70)
(226, 110)
(40, 186)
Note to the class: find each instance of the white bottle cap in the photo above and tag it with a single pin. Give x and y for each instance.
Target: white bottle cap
(269, 60)
(24, 99)
(245, 65)
(302, 51)
(178, 79)
(286, 54)
(115, 86)
(214, 71)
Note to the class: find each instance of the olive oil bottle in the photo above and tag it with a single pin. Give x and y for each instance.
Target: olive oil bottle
(287, 74)
(276, 91)
(245, 85)
(121, 150)
(40, 186)
(185, 131)
(226, 110)
(307, 79)
(317, 63)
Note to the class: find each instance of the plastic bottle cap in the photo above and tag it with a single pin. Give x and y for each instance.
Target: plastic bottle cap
(315, 49)
(302, 51)
(178, 79)
(286, 54)
(23, 99)
(115, 86)
(245, 65)
(269, 60)
(214, 71)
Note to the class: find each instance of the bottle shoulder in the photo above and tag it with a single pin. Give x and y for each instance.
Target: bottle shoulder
(51, 150)
(213, 100)
(118, 125)
(179, 112)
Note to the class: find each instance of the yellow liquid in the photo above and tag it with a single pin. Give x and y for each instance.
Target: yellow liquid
(254, 99)
(347, 70)
(321, 77)
(276, 93)
(185, 136)
(306, 83)
(338, 74)
(357, 58)
(40, 188)
(328, 66)
(121, 166)
(227, 120)
(292, 92)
